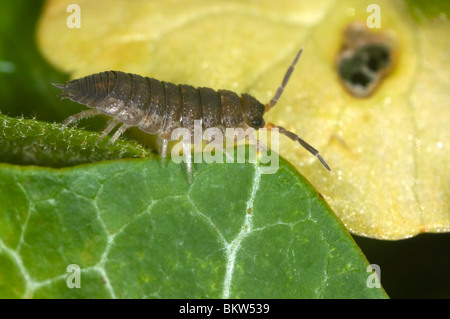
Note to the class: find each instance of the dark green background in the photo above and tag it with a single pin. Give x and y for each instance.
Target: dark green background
(411, 268)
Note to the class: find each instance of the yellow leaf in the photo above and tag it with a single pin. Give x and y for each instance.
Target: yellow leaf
(389, 152)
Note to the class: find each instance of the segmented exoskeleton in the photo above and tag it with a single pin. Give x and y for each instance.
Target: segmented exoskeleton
(159, 107)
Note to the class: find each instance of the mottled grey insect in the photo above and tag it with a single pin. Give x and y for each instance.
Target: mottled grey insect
(159, 107)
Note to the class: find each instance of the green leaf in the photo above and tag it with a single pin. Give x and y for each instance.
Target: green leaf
(140, 230)
(27, 141)
(137, 230)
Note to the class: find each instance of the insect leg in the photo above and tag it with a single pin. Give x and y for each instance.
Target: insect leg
(228, 155)
(112, 123)
(260, 146)
(164, 151)
(79, 116)
(188, 158)
(119, 132)
(295, 137)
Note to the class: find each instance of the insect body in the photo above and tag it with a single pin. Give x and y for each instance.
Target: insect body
(159, 107)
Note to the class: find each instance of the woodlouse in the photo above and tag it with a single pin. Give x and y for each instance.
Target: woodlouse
(159, 107)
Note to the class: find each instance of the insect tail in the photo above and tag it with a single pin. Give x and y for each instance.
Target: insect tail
(68, 90)
(280, 89)
(59, 85)
(64, 95)
(296, 138)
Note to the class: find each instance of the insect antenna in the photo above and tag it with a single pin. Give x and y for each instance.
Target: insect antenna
(296, 138)
(280, 89)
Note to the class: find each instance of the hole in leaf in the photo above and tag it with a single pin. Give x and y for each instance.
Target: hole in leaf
(360, 78)
(364, 60)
